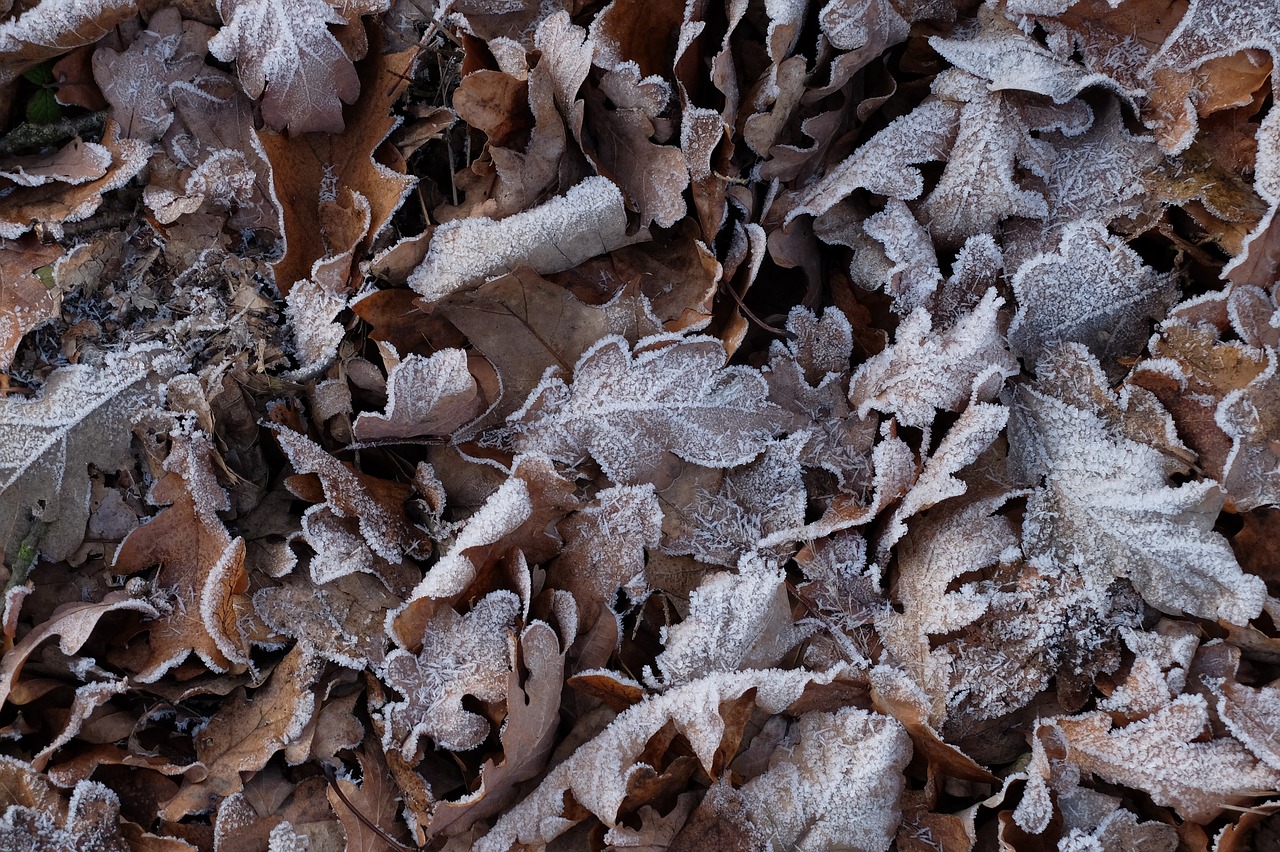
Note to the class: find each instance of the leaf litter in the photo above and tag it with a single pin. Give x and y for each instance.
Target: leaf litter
(850, 426)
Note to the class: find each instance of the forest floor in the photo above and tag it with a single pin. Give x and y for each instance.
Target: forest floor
(646, 425)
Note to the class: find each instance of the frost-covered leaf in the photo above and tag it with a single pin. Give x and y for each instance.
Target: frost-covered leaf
(653, 176)
(632, 411)
(81, 418)
(341, 620)
(461, 655)
(1093, 290)
(735, 621)
(425, 396)
(1167, 756)
(587, 220)
(978, 188)
(808, 378)
(141, 81)
(528, 735)
(285, 48)
(76, 162)
(1248, 713)
(914, 277)
(53, 27)
(74, 623)
(834, 783)
(970, 436)
(938, 551)
(1208, 30)
(1102, 174)
(376, 505)
(517, 520)
(1104, 504)
(886, 164)
(604, 548)
(524, 324)
(1009, 58)
(924, 371)
(1250, 416)
(246, 733)
(91, 820)
(722, 517)
(596, 775)
(25, 301)
(21, 208)
(202, 577)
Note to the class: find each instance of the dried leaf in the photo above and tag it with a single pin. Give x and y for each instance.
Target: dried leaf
(202, 577)
(587, 220)
(53, 27)
(286, 43)
(1166, 756)
(923, 371)
(596, 775)
(461, 655)
(1092, 290)
(245, 734)
(1105, 506)
(425, 396)
(25, 301)
(632, 411)
(834, 782)
(23, 207)
(82, 418)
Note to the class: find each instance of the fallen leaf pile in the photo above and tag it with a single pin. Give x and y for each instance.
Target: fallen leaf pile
(640, 425)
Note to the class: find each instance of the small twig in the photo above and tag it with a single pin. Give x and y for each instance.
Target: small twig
(29, 135)
(377, 443)
(742, 306)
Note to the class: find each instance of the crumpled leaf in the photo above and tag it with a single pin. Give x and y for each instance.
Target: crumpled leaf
(735, 621)
(461, 655)
(632, 411)
(1105, 505)
(1166, 756)
(1093, 290)
(76, 162)
(74, 623)
(245, 733)
(90, 820)
(595, 776)
(834, 782)
(924, 371)
(528, 735)
(286, 43)
(587, 220)
(25, 301)
(425, 396)
(46, 445)
(53, 27)
(808, 378)
(375, 506)
(202, 577)
(22, 207)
